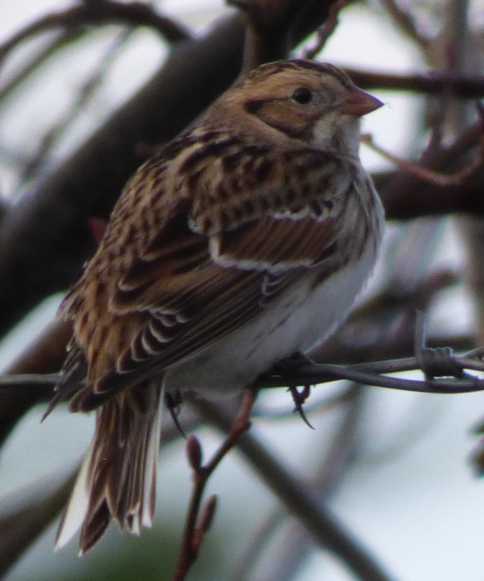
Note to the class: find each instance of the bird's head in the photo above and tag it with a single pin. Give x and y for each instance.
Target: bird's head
(313, 102)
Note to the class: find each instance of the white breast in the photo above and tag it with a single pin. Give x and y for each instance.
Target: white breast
(298, 319)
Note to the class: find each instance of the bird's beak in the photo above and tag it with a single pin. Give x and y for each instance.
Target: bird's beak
(359, 103)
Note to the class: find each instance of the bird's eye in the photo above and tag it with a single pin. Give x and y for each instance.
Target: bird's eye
(302, 95)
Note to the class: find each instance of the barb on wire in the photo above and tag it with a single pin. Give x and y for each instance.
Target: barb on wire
(444, 372)
(434, 362)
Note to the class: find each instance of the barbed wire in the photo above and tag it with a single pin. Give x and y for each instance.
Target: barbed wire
(444, 372)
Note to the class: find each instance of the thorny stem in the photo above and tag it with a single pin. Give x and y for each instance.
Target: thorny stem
(193, 536)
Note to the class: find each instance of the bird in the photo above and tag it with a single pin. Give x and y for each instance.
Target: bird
(244, 240)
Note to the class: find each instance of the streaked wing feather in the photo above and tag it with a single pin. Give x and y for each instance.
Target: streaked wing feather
(277, 243)
(193, 286)
(225, 298)
(236, 306)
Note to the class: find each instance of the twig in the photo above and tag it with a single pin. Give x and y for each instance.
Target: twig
(193, 535)
(267, 30)
(405, 196)
(44, 356)
(86, 92)
(293, 545)
(25, 381)
(405, 23)
(320, 523)
(325, 31)
(63, 39)
(461, 85)
(135, 13)
(428, 175)
(21, 528)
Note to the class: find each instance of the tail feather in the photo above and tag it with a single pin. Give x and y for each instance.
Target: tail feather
(118, 476)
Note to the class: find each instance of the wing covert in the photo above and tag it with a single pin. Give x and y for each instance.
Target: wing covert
(210, 268)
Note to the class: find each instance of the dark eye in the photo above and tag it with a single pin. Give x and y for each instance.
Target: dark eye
(302, 96)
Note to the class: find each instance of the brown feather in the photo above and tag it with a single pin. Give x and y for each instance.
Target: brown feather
(235, 224)
(122, 457)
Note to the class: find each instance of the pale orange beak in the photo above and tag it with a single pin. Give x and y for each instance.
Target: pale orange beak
(359, 103)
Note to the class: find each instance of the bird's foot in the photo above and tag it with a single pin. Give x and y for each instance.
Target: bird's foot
(173, 402)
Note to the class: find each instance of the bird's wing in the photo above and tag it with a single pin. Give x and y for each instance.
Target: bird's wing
(213, 267)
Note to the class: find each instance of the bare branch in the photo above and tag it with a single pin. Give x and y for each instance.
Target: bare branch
(45, 237)
(405, 23)
(293, 545)
(323, 527)
(423, 173)
(86, 91)
(325, 31)
(405, 196)
(19, 529)
(459, 85)
(269, 26)
(193, 535)
(106, 12)
(63, 39)
(44, 356)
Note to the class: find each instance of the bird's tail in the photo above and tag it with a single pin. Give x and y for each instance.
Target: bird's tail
(118, 476)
